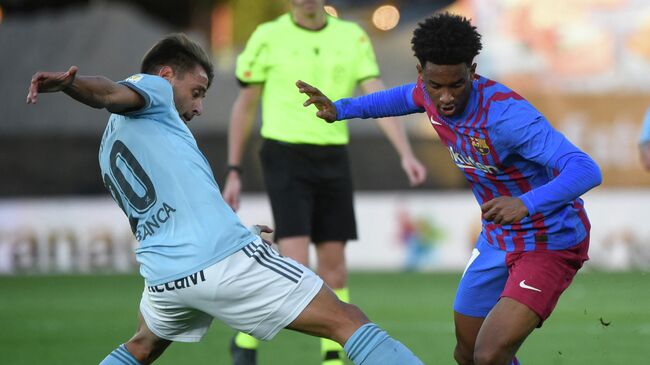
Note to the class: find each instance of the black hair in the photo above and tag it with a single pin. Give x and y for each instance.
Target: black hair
(446, 39)
(180, 53)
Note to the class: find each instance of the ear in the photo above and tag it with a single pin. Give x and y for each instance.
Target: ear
(419, 68)
(166, 73)
(472, 70)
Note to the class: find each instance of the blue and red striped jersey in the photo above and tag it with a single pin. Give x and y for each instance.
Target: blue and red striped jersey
(503, 145)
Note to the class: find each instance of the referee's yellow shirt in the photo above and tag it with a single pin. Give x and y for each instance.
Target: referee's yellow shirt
(334, 59)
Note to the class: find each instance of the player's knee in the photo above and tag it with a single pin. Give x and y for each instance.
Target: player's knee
(333, 278)
(487, 356)
(463, 356)
(356, 315)
(146, 348)
(141, 351)
(351, 319)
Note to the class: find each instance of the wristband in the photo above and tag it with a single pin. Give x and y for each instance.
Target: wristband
(233, 168)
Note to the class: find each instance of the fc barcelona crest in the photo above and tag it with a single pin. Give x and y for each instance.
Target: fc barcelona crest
(480, 145)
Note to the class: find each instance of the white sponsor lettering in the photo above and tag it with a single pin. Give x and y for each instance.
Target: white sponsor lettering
(467, 162)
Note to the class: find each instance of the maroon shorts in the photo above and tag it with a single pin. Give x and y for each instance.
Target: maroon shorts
(538, 278)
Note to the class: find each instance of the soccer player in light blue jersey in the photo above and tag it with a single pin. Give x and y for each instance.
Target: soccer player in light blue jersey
(197, 259)
(526, 177)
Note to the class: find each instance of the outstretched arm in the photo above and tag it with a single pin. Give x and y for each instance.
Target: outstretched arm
(387, 103)
(94, 91)
(396, 134)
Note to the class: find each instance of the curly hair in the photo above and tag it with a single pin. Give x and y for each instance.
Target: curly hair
(178, 51)
(446, 39)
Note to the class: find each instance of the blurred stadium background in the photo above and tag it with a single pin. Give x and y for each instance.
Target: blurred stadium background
(68, 277)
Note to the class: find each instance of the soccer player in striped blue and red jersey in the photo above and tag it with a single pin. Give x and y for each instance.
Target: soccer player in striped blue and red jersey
(525, 175)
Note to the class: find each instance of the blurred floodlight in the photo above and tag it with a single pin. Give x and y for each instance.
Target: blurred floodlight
(331, 11)
(1, 15)
(385, 17)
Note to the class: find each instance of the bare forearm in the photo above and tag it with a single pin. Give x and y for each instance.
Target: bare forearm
(93, 91)
(241, 123)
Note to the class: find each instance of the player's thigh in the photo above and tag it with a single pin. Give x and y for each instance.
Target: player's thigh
(503, 331)
(288, 185)
(482, 282)
(537, 279)
(467, 329)
(327, 316)
(168, 315)
(257, 291)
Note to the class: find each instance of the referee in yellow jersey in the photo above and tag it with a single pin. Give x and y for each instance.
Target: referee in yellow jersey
(304, 161)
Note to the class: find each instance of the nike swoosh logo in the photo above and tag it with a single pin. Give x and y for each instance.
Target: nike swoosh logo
(523, 285)
(434, 122)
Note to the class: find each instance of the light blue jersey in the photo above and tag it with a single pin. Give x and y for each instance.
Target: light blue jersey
(154, 170)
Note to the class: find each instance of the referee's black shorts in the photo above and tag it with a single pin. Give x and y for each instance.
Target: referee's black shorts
(310, 188)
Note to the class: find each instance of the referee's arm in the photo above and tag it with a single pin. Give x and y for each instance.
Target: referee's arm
(242, 117)
(396, 134)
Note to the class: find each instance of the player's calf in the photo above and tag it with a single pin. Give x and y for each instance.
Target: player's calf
(364, 342)
(142, 349)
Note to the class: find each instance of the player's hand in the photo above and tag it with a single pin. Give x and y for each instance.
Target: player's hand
(504, 210)
(232, 190)
(49, 82)
(326, 109)
(415, 171)
(259, 229)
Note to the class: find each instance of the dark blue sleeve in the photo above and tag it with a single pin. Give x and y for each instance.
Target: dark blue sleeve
(386, 103)
(578, 174)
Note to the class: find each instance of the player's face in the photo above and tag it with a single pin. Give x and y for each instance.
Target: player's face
(189, 90)
(308, 7)
(448, 86)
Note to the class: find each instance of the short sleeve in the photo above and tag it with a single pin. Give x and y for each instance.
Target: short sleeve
(252, 63)
(367, 66)
(526, 132)
(156, 91)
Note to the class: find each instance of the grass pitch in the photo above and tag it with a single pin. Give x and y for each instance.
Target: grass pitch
(603, 318)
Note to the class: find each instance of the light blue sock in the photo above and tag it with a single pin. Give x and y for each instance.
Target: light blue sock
(120, 356)
(370, 345)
